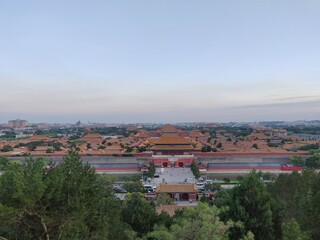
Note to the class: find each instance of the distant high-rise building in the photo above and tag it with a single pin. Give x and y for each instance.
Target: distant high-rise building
(18, 123)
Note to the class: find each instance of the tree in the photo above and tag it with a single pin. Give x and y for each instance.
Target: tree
(69, 201)
(33, 145)
(151, 169)
(255, 146)
(56, 145)
(201, 222)
(49, 150)
(291, 231)
(226, 180)
(164, 199)
(297, 161)
(314, 160)
(250, 203)
(138, 213)
(212, 187)
(195, 170)
(206, 149)
(299, 195)
(7, 148)
(160, 232)
(129, 149)
(130, 186)
(310, 147)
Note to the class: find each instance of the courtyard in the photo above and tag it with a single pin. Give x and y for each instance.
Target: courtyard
(173, 176)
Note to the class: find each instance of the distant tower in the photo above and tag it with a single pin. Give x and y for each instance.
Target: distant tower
(17, 123)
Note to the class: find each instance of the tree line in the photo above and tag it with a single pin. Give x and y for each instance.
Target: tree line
(41, 200)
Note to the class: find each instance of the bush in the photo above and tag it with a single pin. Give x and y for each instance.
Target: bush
(309, 147)
(226, 180)
(7, 148)
(239, 178)
(49, 150)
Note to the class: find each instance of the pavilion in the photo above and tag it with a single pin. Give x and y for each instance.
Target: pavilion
(172, 145)
(179, 191)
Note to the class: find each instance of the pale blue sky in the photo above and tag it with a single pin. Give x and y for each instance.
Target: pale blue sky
(159, 61)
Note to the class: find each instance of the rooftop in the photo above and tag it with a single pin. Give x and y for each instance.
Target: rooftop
(174, 139)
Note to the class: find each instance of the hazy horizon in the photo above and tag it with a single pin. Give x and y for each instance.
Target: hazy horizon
(151, 61)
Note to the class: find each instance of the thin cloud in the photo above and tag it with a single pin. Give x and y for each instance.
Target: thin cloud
(294, 98)
(314, 103)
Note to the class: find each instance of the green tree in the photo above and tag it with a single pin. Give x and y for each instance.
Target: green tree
(49, 150)
(138, 213)
(160, 233)
(299, 194)
(212, 186)
(164, 199)
(68, 202)
(291, 231)
(151, 169)
(130, 186)
(129, 149)
(255, 146)
(309, 147)
(250, 203)
(195, 170)
(297, 161)
(227, 180)
(314, 160)
(7, 148)
(206, 148)
(3, 162)
(56, 145)
(201, 223)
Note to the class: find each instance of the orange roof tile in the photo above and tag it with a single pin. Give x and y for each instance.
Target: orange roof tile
(175, 139)
(177, 147)
(169, 129)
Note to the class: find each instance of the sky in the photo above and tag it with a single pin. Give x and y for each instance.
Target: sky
(159, 61)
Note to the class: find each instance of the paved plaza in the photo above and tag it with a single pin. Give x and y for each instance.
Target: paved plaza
(173, 176)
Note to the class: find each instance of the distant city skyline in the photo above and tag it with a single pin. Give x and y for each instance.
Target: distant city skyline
(152, 61)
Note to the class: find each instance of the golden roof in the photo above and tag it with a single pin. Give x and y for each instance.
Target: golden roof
(176, 147)
(169, 129)
(172, 139)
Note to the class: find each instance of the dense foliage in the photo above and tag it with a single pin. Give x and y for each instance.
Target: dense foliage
(70, 201)
(195, 170)
(151, 169)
